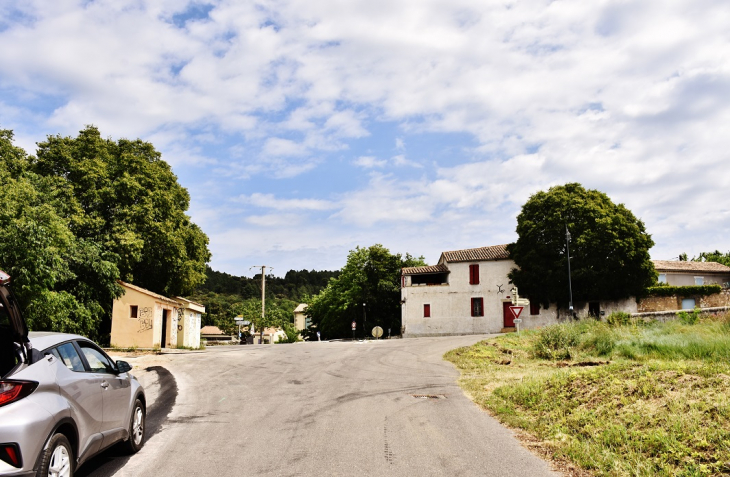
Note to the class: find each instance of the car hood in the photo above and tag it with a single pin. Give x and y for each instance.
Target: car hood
(7, 300)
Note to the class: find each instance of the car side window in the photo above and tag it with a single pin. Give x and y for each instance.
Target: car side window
(69, 357)
(98, 361)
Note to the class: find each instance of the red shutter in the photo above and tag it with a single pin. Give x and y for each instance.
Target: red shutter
(474, 274)
(477, 307)
(426, 311)
(534, 308)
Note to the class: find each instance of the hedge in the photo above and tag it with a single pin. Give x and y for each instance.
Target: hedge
(691, 290)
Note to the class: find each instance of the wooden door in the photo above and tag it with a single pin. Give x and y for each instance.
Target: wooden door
(509, 318)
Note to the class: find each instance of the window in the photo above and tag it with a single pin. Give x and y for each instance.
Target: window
(474, 274)
(688, 303)
(662, 278)
(477, 307)
(98, 361)
(534, 308)
(133, 311)
(69, 357)
(699, 280)
(426, 311)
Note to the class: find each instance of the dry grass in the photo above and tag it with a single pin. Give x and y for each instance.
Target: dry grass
(654, 413)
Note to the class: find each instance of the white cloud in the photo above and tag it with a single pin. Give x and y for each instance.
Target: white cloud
(369, 162)
(270, 202)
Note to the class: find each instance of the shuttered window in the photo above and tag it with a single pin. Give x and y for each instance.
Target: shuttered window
(426, 311)
(534, 308)
(474, 274)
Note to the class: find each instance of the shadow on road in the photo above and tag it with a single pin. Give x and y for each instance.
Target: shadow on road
(114, 458)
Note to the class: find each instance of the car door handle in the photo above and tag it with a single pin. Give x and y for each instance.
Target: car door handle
(104, 384)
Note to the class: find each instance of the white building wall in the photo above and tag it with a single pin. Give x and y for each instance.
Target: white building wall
(451, 303)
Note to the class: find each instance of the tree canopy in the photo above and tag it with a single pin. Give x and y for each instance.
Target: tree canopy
(716, 256)
(370, 277)
(609, 248)
(87, 211)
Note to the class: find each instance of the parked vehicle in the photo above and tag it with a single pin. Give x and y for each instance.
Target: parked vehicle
(62, 399)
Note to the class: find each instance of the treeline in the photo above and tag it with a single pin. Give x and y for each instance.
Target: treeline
(226, 296)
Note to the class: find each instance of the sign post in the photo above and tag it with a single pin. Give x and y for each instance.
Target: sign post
(354, 326)
(516, 312)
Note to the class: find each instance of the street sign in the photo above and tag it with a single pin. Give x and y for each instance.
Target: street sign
(377, 332)
(354, 326)
(516, 310)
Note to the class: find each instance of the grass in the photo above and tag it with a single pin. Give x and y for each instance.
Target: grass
(635, 399)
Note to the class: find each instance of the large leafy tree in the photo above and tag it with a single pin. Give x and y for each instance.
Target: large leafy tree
(85, 212)
(371, 277)
(609, 247)
(716, 256)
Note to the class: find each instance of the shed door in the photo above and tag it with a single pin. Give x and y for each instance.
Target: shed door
(509, 318)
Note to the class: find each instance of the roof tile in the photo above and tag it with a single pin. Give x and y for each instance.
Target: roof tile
(680, 266)
(495, 252)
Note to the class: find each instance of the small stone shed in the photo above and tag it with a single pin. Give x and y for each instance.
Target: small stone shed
(144, 319)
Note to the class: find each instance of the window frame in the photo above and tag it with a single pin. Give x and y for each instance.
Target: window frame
(662, 278)
(133, 312)
(427, 310)
(479, 309)
(701, 279)
(93, 346)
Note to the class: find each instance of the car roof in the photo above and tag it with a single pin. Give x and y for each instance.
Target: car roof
(45, 339)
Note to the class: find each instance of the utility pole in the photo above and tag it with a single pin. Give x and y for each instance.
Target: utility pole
(263, 298)
(570, 285)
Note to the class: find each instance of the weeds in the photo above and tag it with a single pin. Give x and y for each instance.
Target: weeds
(689, 318)
(661, 406)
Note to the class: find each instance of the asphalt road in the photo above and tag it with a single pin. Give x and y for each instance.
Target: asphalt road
(390, 407)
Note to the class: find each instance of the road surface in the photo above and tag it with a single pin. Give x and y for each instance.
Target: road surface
(388, 407)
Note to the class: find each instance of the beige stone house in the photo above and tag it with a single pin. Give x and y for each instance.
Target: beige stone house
(300, 318)
(144, 319)
(683, 273)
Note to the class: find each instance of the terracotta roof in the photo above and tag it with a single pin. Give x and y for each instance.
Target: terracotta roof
(676, 266)
(495, 252)
(441, 268)
(147, 292)
(210, 330)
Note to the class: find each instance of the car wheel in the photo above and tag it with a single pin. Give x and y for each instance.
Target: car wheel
(57, 459)
(136, 428)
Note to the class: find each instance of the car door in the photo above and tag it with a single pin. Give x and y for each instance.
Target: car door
(82, 391)
(116, 392)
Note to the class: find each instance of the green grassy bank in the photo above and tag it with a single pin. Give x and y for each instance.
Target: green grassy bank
(628, 398)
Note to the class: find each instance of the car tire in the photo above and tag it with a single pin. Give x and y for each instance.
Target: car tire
(57, 458)
(136, 428)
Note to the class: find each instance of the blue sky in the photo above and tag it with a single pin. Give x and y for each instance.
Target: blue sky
(305, 128)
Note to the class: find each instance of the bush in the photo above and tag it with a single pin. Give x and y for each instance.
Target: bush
(618, 318)
(292, 334)
(556, 342)
(689, 318)
(685, 291)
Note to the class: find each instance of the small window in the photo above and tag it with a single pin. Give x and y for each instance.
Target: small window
(474, 274)
(699, 280)
(534, 308)
(477, 307)
(133, 311)
(426, 311)
(688, 303)
(662, 278)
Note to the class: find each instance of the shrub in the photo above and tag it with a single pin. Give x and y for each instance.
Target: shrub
(556, 342)
(684, 291)
(689, 318)
(618, 318)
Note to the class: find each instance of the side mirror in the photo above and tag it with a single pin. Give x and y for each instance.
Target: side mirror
(123, 367)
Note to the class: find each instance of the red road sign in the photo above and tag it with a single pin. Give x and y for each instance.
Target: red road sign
(516, 310)
(354, 326)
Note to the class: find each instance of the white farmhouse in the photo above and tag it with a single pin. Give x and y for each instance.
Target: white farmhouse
(468, 292)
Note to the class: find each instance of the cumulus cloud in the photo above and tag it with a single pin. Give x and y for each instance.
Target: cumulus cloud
(493, 102)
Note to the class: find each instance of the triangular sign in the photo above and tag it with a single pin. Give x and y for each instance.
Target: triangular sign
(516, 310)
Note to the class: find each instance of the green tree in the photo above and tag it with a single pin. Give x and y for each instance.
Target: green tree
(716, 256)
(609, 248)
(85, 212)
(63, 282)
(124, 197)
(371, 277)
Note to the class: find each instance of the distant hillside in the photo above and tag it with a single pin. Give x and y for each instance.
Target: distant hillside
(294, 286)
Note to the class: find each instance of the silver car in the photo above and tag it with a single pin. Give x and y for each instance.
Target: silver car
(62, 399)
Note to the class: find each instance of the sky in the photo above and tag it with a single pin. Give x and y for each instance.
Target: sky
(303, 129)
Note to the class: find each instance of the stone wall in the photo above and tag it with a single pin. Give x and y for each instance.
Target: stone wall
(672, 303)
